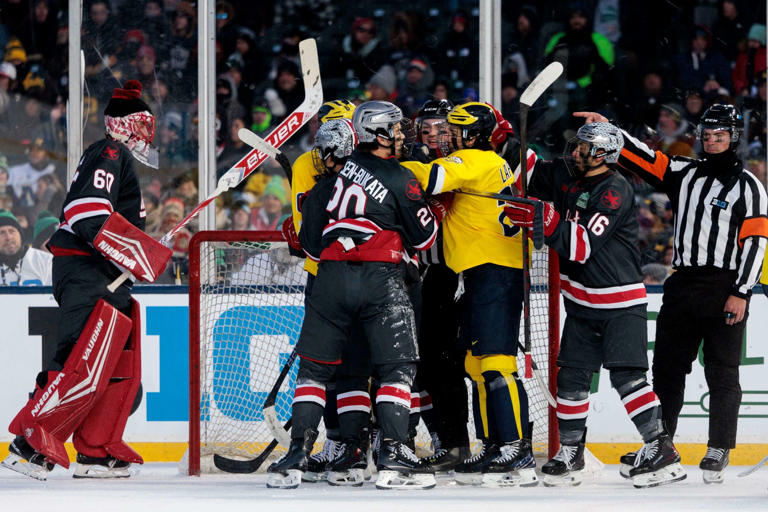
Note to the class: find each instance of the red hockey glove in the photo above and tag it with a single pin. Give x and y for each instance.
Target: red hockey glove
(128, 246)
(503, 129)
(290, 235)
(521, 212)
(440, 204)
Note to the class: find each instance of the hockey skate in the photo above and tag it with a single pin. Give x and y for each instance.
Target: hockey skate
(317, 464)
(399, 468)
(101, 467)
(627, 462)
(515, 466)
(350, 467)
(566, 467)
(470, 472)
(713, 465)
(657, 463)
(23, 459)
(286, 472)
(444, 460)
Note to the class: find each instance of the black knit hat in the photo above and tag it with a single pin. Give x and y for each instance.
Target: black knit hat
(126, 100)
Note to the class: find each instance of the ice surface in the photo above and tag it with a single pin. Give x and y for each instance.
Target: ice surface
(159, 488)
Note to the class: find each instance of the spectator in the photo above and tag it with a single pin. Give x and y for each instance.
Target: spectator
(155, 26)
(702, 63)
(226, 30)
(756, 162)
(234, 74)
(441, 91)
(261, 118)
(24, 178)
(45, 226)
(184, 188)
(729, 29)
(235, 148)
(38, 31)
(458, 55)
(170, 216)
(6, 192)
(674, 134)
(414, 91)
(654, 273)
(7, 82)
(750, 63)
(381, 86)
(228, 107)
(526, 38)
(181, 46)
(241, 217)
(694, 106)
(362, 53)
(269, 216)
(17, 56)
(21, 265)
(146, 60)
(249, 57)
(316, 14)
(101, 35)
(286, 93)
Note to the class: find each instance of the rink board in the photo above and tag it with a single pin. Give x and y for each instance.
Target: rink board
(159, 427)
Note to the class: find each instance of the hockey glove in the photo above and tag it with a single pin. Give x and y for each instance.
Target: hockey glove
(128, 246)
(440, 204)
(417, 151)
(533, 215)
(503, 129)
(290, 235)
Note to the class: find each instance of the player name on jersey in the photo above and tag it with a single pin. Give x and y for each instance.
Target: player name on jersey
(362, 177)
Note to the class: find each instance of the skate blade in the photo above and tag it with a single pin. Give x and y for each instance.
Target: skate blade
(20, 465)
(519, 478)
(467, 478)
(312, 477)
(289, 479)
(98, 471)
(396, 480)
(570, 479)
(624, 470)
(713, 477)
(663, 476)
(349, 478)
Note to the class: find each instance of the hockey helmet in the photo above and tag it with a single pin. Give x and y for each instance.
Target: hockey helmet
(128, 119)
(602, 140)
(376, 119)
(722, 117)
(335, 109)
(475, 120)
(335, 139)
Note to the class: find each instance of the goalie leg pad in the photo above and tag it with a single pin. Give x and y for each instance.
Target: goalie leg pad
(58, 408)
(101, 432)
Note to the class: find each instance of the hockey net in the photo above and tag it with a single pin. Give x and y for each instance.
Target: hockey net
(246, 297)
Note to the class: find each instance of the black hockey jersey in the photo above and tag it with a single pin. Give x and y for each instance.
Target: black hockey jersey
(596, 238)
(369, 196)
(105, 182)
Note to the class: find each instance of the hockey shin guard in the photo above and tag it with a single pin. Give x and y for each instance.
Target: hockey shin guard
(507, 398)
(309, 396)
(572, 403)
(393, 400)
(641, 403)
(58, 408)
(353, 404)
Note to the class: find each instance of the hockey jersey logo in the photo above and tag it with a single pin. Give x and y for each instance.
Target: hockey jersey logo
(111, 153)
(413, 190)
(611, 199)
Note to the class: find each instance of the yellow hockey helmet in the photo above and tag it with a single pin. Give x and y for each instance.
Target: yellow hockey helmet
(336, 109)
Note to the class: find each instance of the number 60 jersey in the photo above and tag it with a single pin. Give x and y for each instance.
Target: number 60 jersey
(105, 181)
(599, 258)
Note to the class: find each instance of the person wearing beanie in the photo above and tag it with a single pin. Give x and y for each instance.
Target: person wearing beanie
(274, 199)
(101, 235)
(45, 227)
(750, 63)
(20, 265)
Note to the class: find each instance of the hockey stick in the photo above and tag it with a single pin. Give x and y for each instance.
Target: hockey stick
(262, 145)
(313, 99)
(531, 93)
(279, 432)
(540, 382)
(754, 468)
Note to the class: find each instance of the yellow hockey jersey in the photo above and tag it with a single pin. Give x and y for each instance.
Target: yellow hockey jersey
(475, 231)
(303, 180)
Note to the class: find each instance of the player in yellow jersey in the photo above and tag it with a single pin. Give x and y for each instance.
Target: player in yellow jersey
(481, 244)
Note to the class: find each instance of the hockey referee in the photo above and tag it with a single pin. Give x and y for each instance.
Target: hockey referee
(720, 236)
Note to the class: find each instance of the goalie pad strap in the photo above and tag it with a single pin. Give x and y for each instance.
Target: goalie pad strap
(56, 410)
(101, 432)
(128, 246)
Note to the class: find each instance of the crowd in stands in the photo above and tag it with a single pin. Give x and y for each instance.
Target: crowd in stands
(652, 67)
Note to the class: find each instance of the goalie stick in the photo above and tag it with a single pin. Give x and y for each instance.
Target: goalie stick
(754, 468)
(279, 431)
(531, 93)
(313, 99)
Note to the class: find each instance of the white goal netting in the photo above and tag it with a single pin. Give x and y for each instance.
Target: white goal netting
(249, 293)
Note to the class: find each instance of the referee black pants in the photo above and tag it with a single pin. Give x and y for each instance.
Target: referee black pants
(692, 315)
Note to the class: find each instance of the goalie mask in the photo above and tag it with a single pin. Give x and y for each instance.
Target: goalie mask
(335, 140)
(593, 141)
(129, 120)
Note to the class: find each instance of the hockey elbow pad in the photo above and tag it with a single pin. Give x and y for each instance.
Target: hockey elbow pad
(128, 246)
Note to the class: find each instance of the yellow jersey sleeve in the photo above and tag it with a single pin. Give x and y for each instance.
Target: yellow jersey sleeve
(302, 181)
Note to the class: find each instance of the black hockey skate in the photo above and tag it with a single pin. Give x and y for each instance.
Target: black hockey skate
(444, 460)
(101, 467)
(515, 466)
(657, 463)
(566, 467)
(349, 468)
(317, 465)
(286, 472)
(23, 459)
(470, 472)
(627, 462)
(399, 468)
(713, 465)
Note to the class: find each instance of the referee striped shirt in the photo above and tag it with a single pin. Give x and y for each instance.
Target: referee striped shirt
(720, 221)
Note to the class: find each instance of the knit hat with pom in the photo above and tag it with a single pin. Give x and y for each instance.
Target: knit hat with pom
(126, 100)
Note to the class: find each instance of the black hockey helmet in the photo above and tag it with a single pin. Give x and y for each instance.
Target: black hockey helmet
(722, 117)
(434, 109)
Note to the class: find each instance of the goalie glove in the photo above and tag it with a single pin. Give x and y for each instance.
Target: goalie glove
(440, 204)
(290, 235)
(128, 246)
(539, 217)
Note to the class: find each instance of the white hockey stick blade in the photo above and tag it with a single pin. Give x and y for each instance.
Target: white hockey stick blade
(313, 99)
(540, 84)
(256, 142)
(281, 435)
(754, 468)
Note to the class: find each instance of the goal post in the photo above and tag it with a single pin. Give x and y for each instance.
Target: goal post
(246, 305)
